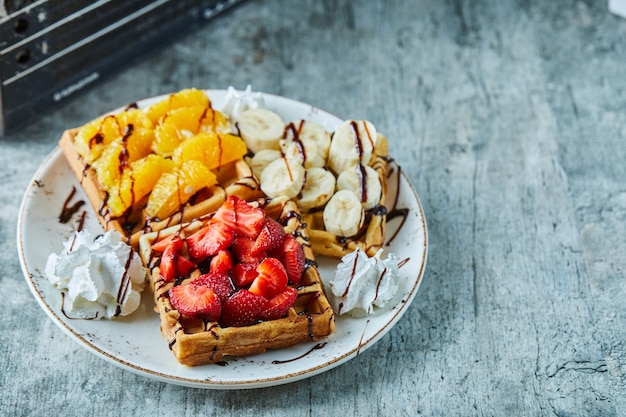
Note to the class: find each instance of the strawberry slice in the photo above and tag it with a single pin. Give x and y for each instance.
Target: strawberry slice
(218, 282)
(245, 219)
(209, 240)
(272, 279)
(242, 251)
(243, 307)
(162, 244)
(270, 237)
(292, 256)
(278, 306)
(222, 262)
(173, 264)
(244, 274)
(196, 300)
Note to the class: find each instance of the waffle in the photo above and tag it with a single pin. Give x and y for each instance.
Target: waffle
(372, 235)
(196, 342)
(233, 179)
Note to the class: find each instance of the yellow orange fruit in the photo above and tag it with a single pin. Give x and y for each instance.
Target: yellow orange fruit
(185, 122)
(212, 149)
(189, 97)
(137, 182)
(174, 189)
(91, 140)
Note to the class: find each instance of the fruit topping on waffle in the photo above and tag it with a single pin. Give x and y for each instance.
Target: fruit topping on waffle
(145, 169)
(239, 281)
(337, 179)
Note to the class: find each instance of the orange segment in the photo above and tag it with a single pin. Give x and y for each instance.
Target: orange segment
(137, 182)
(174, 189)
(93, 138)
(185, 122)
(190, 97)
(212, 149)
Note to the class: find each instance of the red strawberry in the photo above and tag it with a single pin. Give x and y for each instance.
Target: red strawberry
(173, 264)
(278, 306)
(241, 308)
(272, 278)
(242, 251)
(244, 274)
(292, 256)
(196, 300)
(162, 244)
(270, 237)
(222, 262)
(218, 282)
(245, 219)
(209, 240)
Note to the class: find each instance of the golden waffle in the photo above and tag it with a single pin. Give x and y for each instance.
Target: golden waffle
(233, 179)
(372, 235)
(195, 342)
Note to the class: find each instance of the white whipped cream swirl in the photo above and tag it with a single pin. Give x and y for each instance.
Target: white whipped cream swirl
(101, 276)
(362, 283)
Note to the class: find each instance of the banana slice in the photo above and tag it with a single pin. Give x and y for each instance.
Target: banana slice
(305, 153)
(309, 132)
(363, 181)
(260, 129)
(343, 214)
(318, 188)
(262, 159)
(282, 177)
(352, 142)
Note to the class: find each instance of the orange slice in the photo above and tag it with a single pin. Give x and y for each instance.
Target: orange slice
(189, 97)
(175, 188)
(212, 149)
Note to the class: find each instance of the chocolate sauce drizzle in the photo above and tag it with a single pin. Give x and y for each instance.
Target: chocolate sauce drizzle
(316, 347)
(69, 210)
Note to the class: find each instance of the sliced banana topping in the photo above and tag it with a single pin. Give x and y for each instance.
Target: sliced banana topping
(282, 177)
(262, 159)
(319, 187)
(352, 143)
(260, 129)
(343, 214)
(307, 132)
(305, 153)
(363, 181)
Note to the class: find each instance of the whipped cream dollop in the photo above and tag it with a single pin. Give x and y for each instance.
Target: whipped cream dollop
(239, 101)
(101, 276)
(362, 283)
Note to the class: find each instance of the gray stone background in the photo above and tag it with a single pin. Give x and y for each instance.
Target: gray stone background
(508, 118)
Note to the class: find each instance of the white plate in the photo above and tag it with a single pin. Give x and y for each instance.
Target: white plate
(135, 342)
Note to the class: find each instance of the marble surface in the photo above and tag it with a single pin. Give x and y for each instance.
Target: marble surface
(508, 118)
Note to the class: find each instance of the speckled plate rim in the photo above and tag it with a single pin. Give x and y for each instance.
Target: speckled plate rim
(304, 359)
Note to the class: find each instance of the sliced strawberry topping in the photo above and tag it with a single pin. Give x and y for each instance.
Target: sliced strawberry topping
(270, 237)
(162, 244)
(243, 307)
(222, 262)
(245, 219)
(218, 282)
(196, 300)
(244, 274)
(173, 264)
(242, 251)
(292, 256)
(209, 240)
(272, 278)
(278, 306)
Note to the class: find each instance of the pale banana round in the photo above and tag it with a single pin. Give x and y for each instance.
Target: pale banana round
(343, 214)
(282, 177)
(304, 152)
(262, 159)
(352, 142)
(260, 129)
(309, 131)
(362, 179)
(318, 188)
